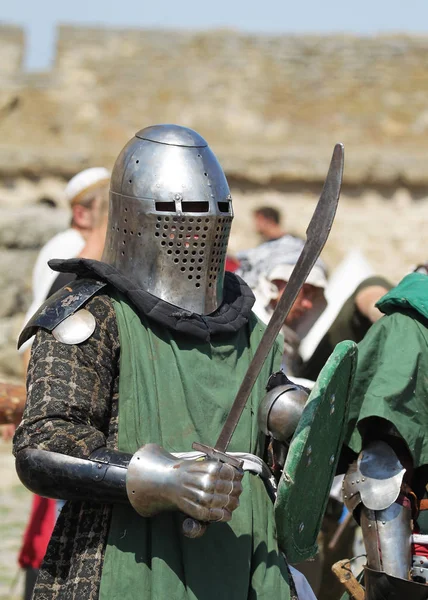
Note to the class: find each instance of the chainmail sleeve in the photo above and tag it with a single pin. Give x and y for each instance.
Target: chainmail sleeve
(72, 389)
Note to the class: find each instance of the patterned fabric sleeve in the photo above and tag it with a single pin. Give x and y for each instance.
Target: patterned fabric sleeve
(71, 389)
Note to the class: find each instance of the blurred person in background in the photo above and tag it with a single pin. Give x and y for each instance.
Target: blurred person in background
(267, 223)
(353, 321)
(81, 194)
(276, 246)
(308, 306)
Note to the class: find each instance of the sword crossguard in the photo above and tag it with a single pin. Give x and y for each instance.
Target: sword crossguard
(218, 455)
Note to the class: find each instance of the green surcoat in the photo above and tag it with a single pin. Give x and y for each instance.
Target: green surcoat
(391, 380)
(175, 390)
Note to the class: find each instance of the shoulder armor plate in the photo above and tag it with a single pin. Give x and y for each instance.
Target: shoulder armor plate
(64, 303)
(375, 479)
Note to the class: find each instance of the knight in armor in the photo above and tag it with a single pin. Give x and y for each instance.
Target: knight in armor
(133, 361)
(386, 487)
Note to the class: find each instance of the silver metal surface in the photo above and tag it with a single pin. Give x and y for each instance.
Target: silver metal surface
(387, 538)
(374, 479)
(76, 328)
(420, 561)
(379, 475)
(350, 489)
(280, 411)
(170, 217)
(419, 570)
(206, 489)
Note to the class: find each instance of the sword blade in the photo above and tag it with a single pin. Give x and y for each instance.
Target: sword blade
(316, 237)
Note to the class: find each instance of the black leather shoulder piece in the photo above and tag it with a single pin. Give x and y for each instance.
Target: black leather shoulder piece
(61, 305)
(276, 379)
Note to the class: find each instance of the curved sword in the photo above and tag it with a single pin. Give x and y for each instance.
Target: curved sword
(316, 236)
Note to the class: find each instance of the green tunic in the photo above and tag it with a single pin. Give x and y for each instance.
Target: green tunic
(391, 381)
(175, 390)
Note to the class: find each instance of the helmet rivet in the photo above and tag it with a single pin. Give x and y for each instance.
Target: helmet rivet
(178, 197)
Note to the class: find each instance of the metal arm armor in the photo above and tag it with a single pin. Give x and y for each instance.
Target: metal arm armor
(281, 408)
(373, 485)
(99, 478)
(61, 305)
(152, 480)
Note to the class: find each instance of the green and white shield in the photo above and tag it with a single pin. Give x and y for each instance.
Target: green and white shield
(312, 459)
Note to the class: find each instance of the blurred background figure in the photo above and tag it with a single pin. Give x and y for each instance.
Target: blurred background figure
(267, 223)
(275, 248)
(352, 293)
(307, 308)
(87, 195)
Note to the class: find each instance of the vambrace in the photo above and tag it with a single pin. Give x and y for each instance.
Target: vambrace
(373, 487)
(99, 478)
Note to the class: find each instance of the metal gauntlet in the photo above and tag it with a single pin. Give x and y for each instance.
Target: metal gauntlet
(205, 489)
(281, 409)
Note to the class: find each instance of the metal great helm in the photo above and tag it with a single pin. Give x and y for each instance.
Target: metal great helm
(170, 217)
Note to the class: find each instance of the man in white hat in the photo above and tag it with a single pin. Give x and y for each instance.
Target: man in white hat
(84, 193)
(305, 311)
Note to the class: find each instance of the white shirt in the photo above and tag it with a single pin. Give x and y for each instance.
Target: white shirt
(67, 244)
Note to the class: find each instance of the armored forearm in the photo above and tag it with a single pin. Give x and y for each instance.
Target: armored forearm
(372, 490)
(99, 478)
(152, 480)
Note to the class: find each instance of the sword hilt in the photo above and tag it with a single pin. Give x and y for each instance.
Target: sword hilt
(192, 528)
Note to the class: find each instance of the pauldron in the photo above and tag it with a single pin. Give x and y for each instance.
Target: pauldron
(280, 410)
(63, 313)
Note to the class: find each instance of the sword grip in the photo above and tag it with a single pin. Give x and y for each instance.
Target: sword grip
(192, 528)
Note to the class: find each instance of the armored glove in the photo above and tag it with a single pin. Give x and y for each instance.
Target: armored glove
(205, 489)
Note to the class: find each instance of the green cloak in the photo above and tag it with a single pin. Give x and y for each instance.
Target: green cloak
(391, 380)
(175, 390)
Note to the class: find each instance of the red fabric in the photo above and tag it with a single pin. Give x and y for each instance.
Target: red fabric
(38, 532)
(231, 264)
(420, 550)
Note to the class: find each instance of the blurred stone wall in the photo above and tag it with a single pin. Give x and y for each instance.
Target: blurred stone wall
(272, 108)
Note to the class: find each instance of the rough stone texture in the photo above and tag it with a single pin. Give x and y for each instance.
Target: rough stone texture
(10, 363)
(272, 108)
(15, 278)
(30, 227)
(11, 49)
